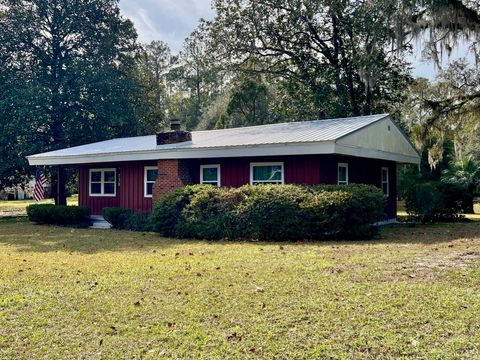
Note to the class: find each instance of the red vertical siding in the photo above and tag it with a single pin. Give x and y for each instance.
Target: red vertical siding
(95, 203)
(132, 186)
(307, 170)
(130, 192)
(235, 172)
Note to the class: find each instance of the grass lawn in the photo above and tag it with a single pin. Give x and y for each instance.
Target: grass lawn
(17, 207)
(70, 293)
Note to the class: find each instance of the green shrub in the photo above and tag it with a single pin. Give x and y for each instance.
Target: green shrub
(207, 215)
(433, 201)
(166, 213)
(58, 214)
(269, 212)
(118, 217)
(140, 221)
(126, 219)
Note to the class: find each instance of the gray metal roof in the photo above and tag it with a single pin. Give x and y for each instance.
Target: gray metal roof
(284, 133)
(374, 136)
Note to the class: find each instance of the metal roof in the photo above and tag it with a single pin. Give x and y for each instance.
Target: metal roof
(262, 136)
(293, 132)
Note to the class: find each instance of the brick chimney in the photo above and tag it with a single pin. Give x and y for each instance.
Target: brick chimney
(175, 135)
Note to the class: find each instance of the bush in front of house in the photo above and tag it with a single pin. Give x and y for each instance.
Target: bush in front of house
(167, 212)
(126, 219)
(351, 208)
(117, 217)
(269, 212)
(58, 214)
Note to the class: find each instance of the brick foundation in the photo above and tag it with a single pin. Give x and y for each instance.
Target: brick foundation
(172, 174)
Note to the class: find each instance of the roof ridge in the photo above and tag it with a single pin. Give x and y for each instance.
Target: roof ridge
(380, 116)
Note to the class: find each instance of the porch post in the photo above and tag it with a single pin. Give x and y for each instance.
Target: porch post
(61, 194)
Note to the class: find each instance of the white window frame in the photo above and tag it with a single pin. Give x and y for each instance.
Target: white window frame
(252, 165)
(102, 182)
(210, 166)
(340, 165)
(145, 181)
(382, 182)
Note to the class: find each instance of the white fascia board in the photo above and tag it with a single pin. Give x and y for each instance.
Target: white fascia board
(196, 153)
(376, 154)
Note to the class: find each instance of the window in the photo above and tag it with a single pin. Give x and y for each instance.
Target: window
(385, 185)
(266, 173)
(342, 178)
(149, 178)
(103, 182)
(210, 174)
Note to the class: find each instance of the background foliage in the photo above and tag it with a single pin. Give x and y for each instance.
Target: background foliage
(74, 72)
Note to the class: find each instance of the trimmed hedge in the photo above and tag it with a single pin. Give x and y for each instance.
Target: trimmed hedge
(117, 217)
(269, 212)
(58, 214)
(126, 219)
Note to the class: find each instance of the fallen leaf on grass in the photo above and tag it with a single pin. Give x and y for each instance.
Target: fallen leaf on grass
(234, 336)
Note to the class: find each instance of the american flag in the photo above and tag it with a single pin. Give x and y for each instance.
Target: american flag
(40, 181)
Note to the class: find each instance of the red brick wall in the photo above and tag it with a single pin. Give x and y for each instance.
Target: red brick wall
(172, 174)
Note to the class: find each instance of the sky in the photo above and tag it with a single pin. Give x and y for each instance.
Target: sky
(168, 20)
(173, 20)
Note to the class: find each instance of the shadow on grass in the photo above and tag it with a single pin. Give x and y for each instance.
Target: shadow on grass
(26, 236)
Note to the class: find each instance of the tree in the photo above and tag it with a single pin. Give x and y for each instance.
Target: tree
(430, 125)
(65, 77)
(201, 80)
(445, 24)
(341, 50)
(248, 105)
(464, 173)
(154, 63)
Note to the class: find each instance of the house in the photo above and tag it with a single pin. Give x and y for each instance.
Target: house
(19, 192)
(133, 172)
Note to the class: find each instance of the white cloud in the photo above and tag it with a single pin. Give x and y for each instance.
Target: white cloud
(167, 20)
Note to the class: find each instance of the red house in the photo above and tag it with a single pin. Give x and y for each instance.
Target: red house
(133, 172)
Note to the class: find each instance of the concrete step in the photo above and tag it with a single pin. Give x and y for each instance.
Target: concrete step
(98, 222)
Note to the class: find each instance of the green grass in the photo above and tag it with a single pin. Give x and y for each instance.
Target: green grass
(73, 293)
(18, 207)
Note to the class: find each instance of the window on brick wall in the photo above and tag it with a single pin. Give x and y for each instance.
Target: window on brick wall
(103, 182)
(149, 177)
(210, 174)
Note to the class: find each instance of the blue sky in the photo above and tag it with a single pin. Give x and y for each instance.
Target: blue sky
(173, 20)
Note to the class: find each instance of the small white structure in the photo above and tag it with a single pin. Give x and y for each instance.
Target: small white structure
(19, 192)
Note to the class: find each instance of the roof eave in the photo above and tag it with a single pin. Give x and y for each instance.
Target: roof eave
(315, 148)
